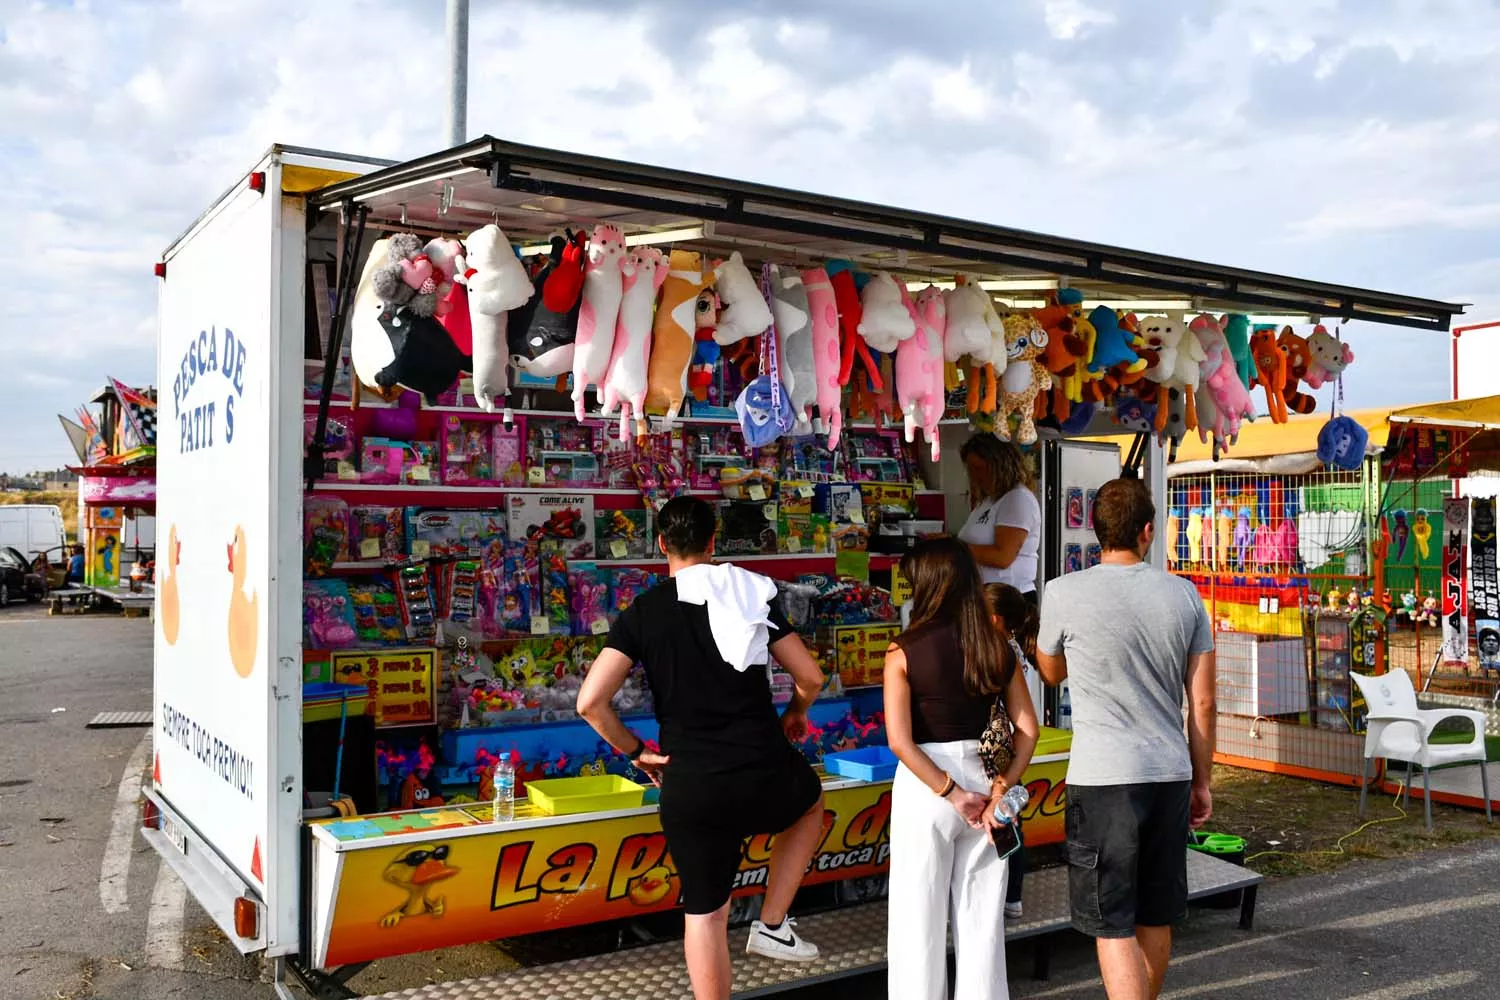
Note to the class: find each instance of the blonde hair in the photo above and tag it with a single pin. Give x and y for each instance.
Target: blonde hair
(1004, 461)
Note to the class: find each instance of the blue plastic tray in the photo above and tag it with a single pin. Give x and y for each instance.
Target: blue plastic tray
(864, 764)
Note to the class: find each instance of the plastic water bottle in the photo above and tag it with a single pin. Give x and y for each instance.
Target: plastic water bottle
(1008, 809)
(1065, 709)
(504, 802)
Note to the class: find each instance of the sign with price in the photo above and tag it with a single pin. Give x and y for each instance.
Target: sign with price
(401, 682)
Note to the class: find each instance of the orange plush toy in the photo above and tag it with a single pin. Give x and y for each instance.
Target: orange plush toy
(1066, 349)
(1270, 371)
(1298, 357)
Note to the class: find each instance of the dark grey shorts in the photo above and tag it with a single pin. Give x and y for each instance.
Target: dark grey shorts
(1127, 856)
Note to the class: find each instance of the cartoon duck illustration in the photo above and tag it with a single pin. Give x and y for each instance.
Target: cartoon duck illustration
(652, 887)
(169, 608)
(417, 871)
(244, 612)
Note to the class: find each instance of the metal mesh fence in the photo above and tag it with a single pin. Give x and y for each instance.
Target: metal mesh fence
(1283, 565)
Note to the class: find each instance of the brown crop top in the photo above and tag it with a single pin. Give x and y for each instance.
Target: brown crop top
(942, 709)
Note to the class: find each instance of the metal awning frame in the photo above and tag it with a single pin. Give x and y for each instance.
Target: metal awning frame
(533, 191)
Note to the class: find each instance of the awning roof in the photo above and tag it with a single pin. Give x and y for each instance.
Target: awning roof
(532, 192)
(1480, 414)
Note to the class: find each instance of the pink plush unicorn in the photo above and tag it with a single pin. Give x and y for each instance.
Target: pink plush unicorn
(1222, 399)
(602, 290)
(825, 339)
(643, 273)
(919, 366)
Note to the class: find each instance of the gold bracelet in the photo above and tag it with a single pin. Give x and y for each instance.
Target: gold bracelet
(948, 787)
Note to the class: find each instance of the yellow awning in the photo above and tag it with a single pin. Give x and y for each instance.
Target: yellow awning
(1263, 439)
(1482, 414)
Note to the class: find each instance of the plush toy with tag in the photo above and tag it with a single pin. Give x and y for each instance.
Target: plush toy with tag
(641, 274)
(1270, 371)
(822, 306)
(672, 335)
(1298, 357)
(1329, 357)
(540, 337)
(1025, 376)
(886, 321)
(919, 366)
(706, 350)
(793, 315)
(496, 283)
(603, 286)
(743, 311)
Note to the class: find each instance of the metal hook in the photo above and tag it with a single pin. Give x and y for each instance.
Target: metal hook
(403, 215)
(445, 198)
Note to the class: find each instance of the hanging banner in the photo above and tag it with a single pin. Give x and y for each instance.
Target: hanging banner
(1455, 609)
(1484, 582)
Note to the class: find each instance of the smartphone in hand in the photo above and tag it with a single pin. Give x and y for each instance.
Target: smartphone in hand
(1007, 839)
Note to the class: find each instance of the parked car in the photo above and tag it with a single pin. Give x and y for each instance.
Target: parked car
(17, 581)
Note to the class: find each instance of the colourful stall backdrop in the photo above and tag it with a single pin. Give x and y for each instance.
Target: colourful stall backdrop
(400, 680)
(450, 878)
(105, 525)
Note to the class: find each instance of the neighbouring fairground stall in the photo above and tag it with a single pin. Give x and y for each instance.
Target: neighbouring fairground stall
(1455, 447)
(116, 446)
(467, 519)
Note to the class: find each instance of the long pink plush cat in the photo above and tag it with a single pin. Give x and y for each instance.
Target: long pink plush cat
(823, 306)
(643, 272)
(919, 366)
(602, 290)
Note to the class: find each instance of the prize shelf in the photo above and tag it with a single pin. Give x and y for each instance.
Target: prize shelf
(879, 562)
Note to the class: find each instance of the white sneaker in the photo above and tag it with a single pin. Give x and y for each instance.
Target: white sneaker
(1013, 910)
(782, 944)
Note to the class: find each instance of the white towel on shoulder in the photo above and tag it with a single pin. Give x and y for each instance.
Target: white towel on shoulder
(739, 609)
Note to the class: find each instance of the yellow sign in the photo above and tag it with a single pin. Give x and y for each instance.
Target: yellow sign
(860, 652)
(401, 682)
(900, 587)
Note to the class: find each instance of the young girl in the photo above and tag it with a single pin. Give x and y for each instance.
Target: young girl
(942, 677)
(1017, 619)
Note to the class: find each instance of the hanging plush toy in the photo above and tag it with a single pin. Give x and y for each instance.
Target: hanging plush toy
(1329, 357)
(1222, 399)
(1025, 376)
(852, 346)
(706, 350)
(496, 284)
(1298, 357)
(672, 335)
(541, 337)
(451, 265)
(603, 286)
(426, 358)
(886, 321)
(642, 273)
(1186, 354)
(370, 348)
(969, 341)
(406, 279)
(1270, 371)
(1112, 344)
(793, 315)
(743, 310)
(823, 307)
(919, 366)
(1066, 346)
(1237, 332)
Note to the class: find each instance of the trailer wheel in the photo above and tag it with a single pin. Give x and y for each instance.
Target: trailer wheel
(4, 594)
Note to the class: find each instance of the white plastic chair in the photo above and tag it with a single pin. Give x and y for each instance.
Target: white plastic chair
(1399, 730)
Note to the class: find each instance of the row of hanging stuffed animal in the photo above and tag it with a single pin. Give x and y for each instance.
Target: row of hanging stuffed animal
(647, 330)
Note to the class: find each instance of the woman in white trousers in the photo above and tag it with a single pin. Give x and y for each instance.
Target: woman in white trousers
(942, 677)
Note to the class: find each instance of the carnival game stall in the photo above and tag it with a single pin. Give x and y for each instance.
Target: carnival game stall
(506, 359)
(117, 493)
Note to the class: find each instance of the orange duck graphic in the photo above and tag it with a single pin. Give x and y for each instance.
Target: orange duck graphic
(417, 872)
(244, 612)
(169, 603)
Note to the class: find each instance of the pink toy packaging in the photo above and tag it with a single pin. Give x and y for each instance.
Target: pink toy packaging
(377, 534)
(508, 450)
(468, 452)
(588, 588)
(328, 615)
(325, 533)
(380, 461)
(627, 584)
(339, 458)
(419, 463)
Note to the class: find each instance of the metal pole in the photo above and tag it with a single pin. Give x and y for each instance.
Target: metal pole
(458, 71)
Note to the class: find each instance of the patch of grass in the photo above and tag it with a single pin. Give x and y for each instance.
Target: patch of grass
(67, 500)
(1296, 826)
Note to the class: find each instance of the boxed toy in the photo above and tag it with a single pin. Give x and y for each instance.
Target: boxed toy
(446, 534)
(860, 652)
(419, 463)
(745, 528)
(325, 533)
(628, 583)
(796, 496)
(377, 533)
(588, 589)
(339, 458)
(624, 534)
(758, 485)
(328, 615)
(380, 461)
(566, 452)
(508, 448)
(804, 533)
(468, 452)
(558, 521)
(841, 502)
(377, 612)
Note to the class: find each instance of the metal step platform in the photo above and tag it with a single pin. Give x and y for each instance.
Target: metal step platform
(851, 942)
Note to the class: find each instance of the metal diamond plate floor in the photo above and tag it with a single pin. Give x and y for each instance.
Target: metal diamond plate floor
(119, 720)
(851, 941)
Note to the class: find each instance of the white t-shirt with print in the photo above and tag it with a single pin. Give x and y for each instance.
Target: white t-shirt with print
(1017, 509)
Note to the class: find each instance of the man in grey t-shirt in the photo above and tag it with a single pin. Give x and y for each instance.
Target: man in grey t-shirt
(1131, 640)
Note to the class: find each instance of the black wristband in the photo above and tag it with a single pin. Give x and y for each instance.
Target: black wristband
(635, 755)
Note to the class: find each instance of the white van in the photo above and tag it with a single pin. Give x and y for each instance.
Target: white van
(33, 528)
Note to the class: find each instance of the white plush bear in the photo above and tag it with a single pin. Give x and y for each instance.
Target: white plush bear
(743, 310)
(497, 283)
(886, 321)
(643, 272)
(370, 347)
(794, 325)
(969, 336)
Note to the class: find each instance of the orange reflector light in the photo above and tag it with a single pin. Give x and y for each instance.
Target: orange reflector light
(246, 917)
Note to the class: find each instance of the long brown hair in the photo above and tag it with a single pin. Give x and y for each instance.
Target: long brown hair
(1016, 613)
(946, 588)
(1004, 462)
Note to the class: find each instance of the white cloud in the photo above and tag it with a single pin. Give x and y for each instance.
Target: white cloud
(1067, 19)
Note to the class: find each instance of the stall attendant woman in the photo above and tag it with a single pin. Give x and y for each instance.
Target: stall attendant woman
(1005, 525)
(942, 677)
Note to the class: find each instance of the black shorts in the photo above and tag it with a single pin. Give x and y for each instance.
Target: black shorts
(1127, 856)
(707, 817)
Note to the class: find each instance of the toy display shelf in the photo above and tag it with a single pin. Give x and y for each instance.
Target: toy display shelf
(878, 561)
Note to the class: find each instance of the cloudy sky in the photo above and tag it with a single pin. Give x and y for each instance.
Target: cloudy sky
(1353, 142)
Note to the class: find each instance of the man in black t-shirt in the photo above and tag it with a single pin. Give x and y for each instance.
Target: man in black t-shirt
(727, 770)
